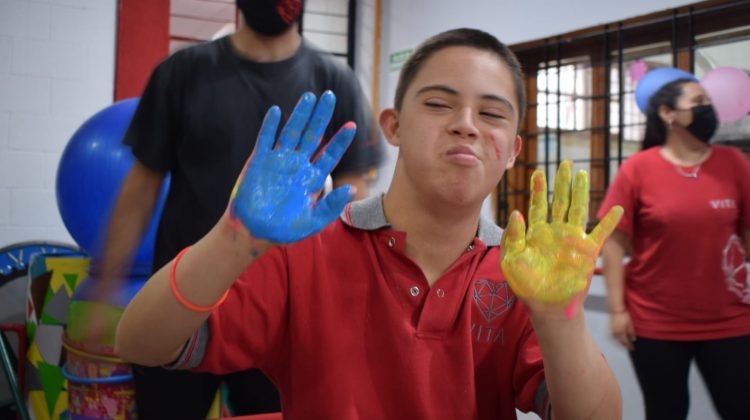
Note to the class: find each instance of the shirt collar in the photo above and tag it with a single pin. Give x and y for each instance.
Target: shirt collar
(368, 214)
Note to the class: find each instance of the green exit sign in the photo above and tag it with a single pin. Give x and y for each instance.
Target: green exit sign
(397, 59)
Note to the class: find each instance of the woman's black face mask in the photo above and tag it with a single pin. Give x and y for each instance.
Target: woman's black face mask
(704, 122)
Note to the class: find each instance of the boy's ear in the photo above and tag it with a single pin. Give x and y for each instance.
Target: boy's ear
(389, 126)
(517, 143)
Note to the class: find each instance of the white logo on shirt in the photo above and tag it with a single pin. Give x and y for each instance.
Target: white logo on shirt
(491, 299)
(727, 203)
(735, 270)
(483, 333)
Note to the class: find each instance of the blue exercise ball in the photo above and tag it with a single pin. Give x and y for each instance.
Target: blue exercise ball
(92, 168)
(654, 80)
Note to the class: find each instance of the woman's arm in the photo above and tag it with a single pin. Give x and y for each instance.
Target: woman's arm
(613, 254)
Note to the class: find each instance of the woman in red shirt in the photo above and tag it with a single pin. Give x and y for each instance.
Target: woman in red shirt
(684, 294)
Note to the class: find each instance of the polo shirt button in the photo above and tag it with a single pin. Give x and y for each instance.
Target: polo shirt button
(470, 247)
(414, 291)
(440, 292)
(391, 242)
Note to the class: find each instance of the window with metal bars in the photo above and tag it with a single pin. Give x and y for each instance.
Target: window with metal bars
(582, 93)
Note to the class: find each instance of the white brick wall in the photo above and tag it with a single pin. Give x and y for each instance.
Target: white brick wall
(56, 70)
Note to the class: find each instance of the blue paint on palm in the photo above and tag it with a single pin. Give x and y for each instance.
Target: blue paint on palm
(275, 197)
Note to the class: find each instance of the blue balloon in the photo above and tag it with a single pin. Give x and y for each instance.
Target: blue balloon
(92, 168)
(654, 80)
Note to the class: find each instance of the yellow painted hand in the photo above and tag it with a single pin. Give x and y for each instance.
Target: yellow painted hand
(552, 263)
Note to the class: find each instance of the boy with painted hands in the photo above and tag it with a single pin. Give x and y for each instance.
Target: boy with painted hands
(397, 308)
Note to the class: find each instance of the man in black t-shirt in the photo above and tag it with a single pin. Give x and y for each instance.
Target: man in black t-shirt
(197, 120)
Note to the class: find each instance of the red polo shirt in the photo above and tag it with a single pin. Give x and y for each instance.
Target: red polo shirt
(346, 326)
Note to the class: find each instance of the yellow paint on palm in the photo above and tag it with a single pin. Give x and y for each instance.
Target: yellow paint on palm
(552, 261)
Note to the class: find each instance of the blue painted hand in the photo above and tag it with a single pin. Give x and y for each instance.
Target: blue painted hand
(274, 197)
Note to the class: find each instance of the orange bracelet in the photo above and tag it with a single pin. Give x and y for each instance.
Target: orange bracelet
(184, 302)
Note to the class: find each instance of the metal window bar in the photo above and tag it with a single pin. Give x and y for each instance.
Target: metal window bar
(546, 106)
(608, 97)
(682, 24)
(351, 33)
(558, 131)
(620, 98)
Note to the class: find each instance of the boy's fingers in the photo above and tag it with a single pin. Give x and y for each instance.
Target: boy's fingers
(514, 238)
(579, 206)
(606, 226)
(331, 205)
(290, 135)
(318, 123)
(561, 195)
(538, 200)
(267, 134)
(336, 148)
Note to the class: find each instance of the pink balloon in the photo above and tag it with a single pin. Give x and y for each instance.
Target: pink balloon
(637, 70)
(729, 89)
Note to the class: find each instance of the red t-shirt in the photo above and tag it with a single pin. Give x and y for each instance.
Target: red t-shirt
(345, 325)
(686, 279)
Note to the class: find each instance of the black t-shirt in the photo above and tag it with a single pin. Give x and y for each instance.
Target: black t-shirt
(199, 116)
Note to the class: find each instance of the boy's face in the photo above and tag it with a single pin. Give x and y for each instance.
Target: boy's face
(456, 129)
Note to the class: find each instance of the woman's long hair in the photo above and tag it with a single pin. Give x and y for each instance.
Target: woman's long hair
(656, 131)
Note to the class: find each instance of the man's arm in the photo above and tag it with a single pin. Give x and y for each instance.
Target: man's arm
(131, 216)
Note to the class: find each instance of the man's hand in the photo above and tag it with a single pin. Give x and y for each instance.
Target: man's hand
(552, 263)
(274, 198)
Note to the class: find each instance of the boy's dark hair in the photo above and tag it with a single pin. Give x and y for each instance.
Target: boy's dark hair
(656, 131)
(462, 37)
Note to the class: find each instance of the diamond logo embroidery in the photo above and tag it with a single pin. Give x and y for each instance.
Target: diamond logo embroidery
(736, 273)
(492, 299)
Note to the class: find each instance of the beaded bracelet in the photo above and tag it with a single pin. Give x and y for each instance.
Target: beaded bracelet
(184, 302)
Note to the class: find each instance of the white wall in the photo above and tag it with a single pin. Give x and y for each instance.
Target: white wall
(56, 70)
